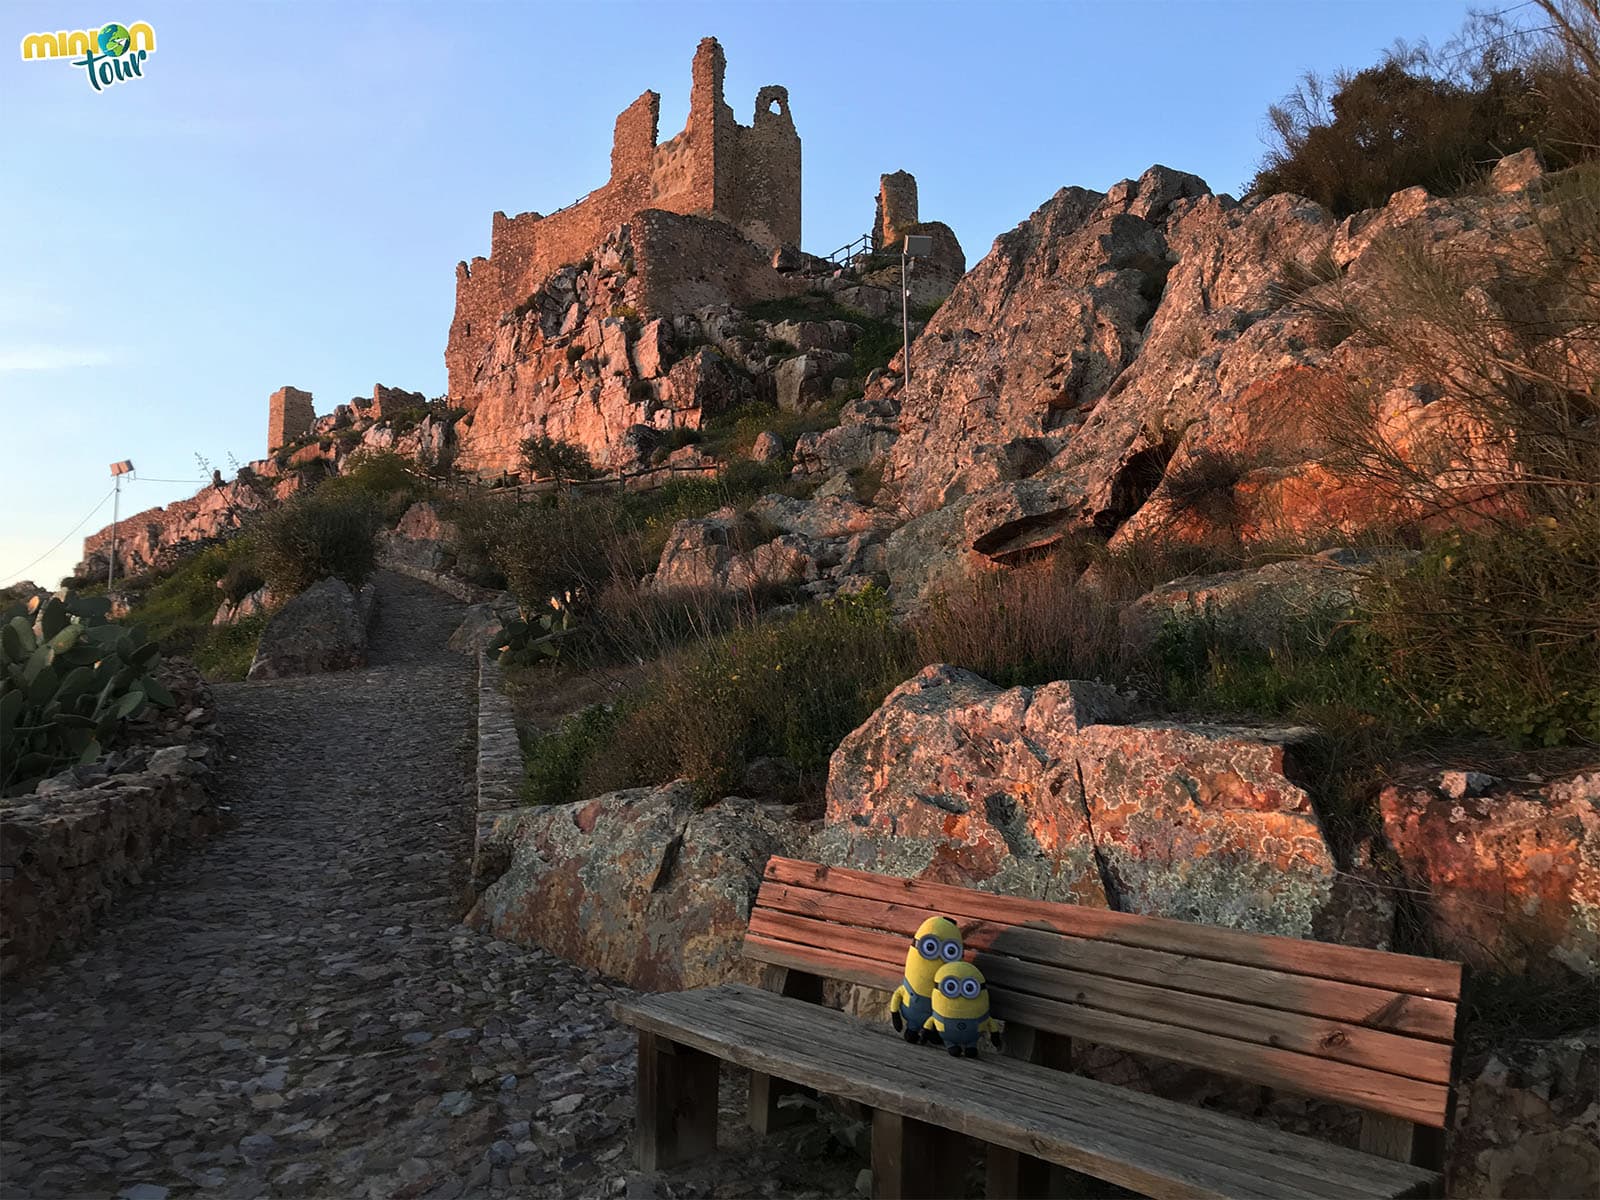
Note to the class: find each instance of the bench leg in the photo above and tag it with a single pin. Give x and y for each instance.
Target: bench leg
(1399, 1139)
(1012, 1175)
(677, 1093)
(912, 1160)
(766, 1090)
(766, 1115)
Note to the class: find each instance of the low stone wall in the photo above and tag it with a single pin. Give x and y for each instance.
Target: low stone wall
(499, 766)
(470, 593)
(69, 850)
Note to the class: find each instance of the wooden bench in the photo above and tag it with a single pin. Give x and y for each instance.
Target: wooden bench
(1364, 1028)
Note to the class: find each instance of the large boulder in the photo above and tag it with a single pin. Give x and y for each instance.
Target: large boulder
(1507, 871)
(1258, 606)
(639, 885)
(423, 539)
(1055, 792)
(482, 622)
(322, 629)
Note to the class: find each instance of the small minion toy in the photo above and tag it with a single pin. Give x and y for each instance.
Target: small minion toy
(961, 1008)
(937, 944)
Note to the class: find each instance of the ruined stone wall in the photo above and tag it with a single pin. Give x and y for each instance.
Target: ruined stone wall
(386, 401)
(766, 190)
(715, 167)
(684, 263)
(290, 414)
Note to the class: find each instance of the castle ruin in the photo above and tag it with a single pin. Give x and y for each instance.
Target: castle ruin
(290, 415)
(745, 175)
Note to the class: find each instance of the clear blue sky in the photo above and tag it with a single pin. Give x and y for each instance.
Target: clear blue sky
(283, 197)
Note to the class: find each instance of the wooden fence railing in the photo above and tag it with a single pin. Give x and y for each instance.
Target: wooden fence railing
(643, 480)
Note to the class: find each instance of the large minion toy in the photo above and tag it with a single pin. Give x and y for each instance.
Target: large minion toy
(936, 945)
(961, 1008)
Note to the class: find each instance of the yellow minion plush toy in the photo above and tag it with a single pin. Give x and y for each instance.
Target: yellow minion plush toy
(961, 1008)
(936, 944)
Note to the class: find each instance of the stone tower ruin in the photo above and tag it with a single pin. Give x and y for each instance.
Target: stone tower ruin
(290, 415)
(746, 175)
(897, 209)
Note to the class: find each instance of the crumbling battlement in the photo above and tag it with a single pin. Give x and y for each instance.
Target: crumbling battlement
(748, 176)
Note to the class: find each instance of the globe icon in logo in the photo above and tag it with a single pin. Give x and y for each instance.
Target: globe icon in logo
(114, 40)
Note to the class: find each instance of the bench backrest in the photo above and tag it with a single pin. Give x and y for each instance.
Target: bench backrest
(1362, 1027)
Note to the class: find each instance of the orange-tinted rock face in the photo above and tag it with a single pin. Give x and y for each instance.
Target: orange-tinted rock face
(1052, 792)
(578, 362)
(1510, 870)
(1113, 345)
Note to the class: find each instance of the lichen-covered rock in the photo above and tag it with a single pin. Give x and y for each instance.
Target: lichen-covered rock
(955, 780)
(322, 629)
(1054, 792)
(639, 885)
(1509, 871)
(1257, 606)
(698, 551)
(1206, 823)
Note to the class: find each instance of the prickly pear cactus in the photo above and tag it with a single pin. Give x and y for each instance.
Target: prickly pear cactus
(69, 678)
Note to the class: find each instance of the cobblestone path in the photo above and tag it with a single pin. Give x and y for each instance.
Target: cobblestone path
(295, 1009)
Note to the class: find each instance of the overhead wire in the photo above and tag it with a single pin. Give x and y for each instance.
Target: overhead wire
(17, 574)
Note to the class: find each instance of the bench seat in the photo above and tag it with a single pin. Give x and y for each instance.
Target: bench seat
(1152, 1146)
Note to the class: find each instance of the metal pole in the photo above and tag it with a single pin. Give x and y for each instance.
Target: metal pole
(116, 497)
(905, 314)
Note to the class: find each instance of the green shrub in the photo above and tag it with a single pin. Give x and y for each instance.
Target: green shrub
(240, 577)
(177, 608)
(314, 536)
(552, 458)
(553, 763)
(1495, 631)
(1436, 121)
(562, 544)
(732, 434)
(1206, 665)
(387, 480)
(791, 688)
(226, 651)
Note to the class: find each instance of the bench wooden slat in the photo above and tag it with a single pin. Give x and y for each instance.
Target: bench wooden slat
(1320, 1037)
(863, 1063)
(1153, 1146)
(1225, 1051)
(1040, 1084)
(1355, 1004)
(1350, 964)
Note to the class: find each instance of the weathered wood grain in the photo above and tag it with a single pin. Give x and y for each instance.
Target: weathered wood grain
(1141, 1142)
(1349, 964)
